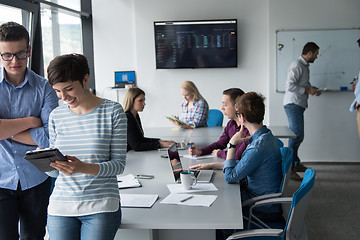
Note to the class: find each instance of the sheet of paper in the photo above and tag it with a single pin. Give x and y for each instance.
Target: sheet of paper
(200, 187)
(198, 157)
(175, 198)
(195, 200)
(127, 181)
(138, 200)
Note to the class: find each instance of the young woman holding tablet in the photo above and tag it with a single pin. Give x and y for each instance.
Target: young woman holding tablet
(194, 109)
(91, 131)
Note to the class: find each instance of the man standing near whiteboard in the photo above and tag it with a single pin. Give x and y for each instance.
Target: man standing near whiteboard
(297, 90)
(355, 105)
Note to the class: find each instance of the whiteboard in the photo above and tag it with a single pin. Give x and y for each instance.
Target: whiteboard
(338, 61)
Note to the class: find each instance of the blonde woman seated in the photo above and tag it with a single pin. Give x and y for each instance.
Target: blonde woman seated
(134, 102)
(194, 109)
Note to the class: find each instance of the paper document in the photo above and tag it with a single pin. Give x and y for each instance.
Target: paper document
(194, 200)
(127, 181)
(200, 187)
(138, 200)
(198, 157)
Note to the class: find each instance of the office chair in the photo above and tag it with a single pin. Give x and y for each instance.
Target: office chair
(215, 118)
(287, 159)
(295, 224)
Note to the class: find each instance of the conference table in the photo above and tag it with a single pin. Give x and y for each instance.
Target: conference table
(165, 221)
(206, 135)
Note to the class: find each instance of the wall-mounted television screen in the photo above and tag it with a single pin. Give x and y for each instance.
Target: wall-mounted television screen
(196, 44)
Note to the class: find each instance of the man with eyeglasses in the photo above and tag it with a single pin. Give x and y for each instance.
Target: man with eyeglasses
(26, 102)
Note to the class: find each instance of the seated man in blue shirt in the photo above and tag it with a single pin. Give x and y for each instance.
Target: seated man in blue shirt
(261, 161)
(26, 102)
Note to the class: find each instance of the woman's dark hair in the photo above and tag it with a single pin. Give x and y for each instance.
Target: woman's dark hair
(69, 67)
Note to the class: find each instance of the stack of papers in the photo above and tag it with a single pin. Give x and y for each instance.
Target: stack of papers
(127, 181)
(190, 200)
(200, 187)
(138, 200)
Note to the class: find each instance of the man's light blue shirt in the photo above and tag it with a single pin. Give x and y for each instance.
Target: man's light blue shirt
(357, 95)
(33, 97)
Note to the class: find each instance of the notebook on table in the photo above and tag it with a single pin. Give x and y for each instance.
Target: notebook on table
(203, 176)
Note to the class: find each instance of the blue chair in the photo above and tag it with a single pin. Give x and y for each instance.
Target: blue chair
(281, 144)
(287, 159)
(215, 118)
(295, 224)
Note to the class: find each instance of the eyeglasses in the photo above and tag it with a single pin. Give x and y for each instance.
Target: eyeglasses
(10, 56)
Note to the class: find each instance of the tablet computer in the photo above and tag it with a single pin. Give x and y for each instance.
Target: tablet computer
(41, 159)
(175, 119)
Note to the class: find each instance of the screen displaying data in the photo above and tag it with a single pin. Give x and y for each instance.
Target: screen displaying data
(196, 44)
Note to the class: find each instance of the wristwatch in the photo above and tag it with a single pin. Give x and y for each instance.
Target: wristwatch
(229, 145)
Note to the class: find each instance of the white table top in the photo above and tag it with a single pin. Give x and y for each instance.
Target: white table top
(206, 135)
(224, 213)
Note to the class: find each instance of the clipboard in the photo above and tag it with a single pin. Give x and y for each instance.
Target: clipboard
(41, 159)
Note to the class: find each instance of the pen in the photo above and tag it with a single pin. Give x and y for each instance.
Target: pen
(191, 145)
(187, 198)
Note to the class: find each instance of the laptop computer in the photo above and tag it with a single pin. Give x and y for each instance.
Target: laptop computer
(123, 78)
(203, 176)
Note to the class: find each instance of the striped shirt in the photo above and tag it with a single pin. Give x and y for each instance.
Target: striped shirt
(96, 137)
(198, 115)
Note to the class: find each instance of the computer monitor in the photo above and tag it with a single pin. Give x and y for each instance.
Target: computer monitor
(123, 78)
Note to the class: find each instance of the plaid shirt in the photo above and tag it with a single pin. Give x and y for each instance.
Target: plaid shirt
(198, 115)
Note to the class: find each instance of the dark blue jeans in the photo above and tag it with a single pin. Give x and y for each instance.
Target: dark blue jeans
(29, 207)
(295, 115)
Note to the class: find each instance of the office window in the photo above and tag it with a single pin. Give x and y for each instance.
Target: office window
(61, 34)
(61, 30)
(8, 13)
(56, 27)
(72, 4)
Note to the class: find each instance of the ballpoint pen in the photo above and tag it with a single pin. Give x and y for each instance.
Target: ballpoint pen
(187, 198)
(191, 145)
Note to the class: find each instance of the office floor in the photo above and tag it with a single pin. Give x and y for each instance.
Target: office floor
(334, 209)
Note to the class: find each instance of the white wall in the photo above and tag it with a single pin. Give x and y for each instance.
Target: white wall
(162, 87)
(114, 42)
(330, 129)
(124, 40)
